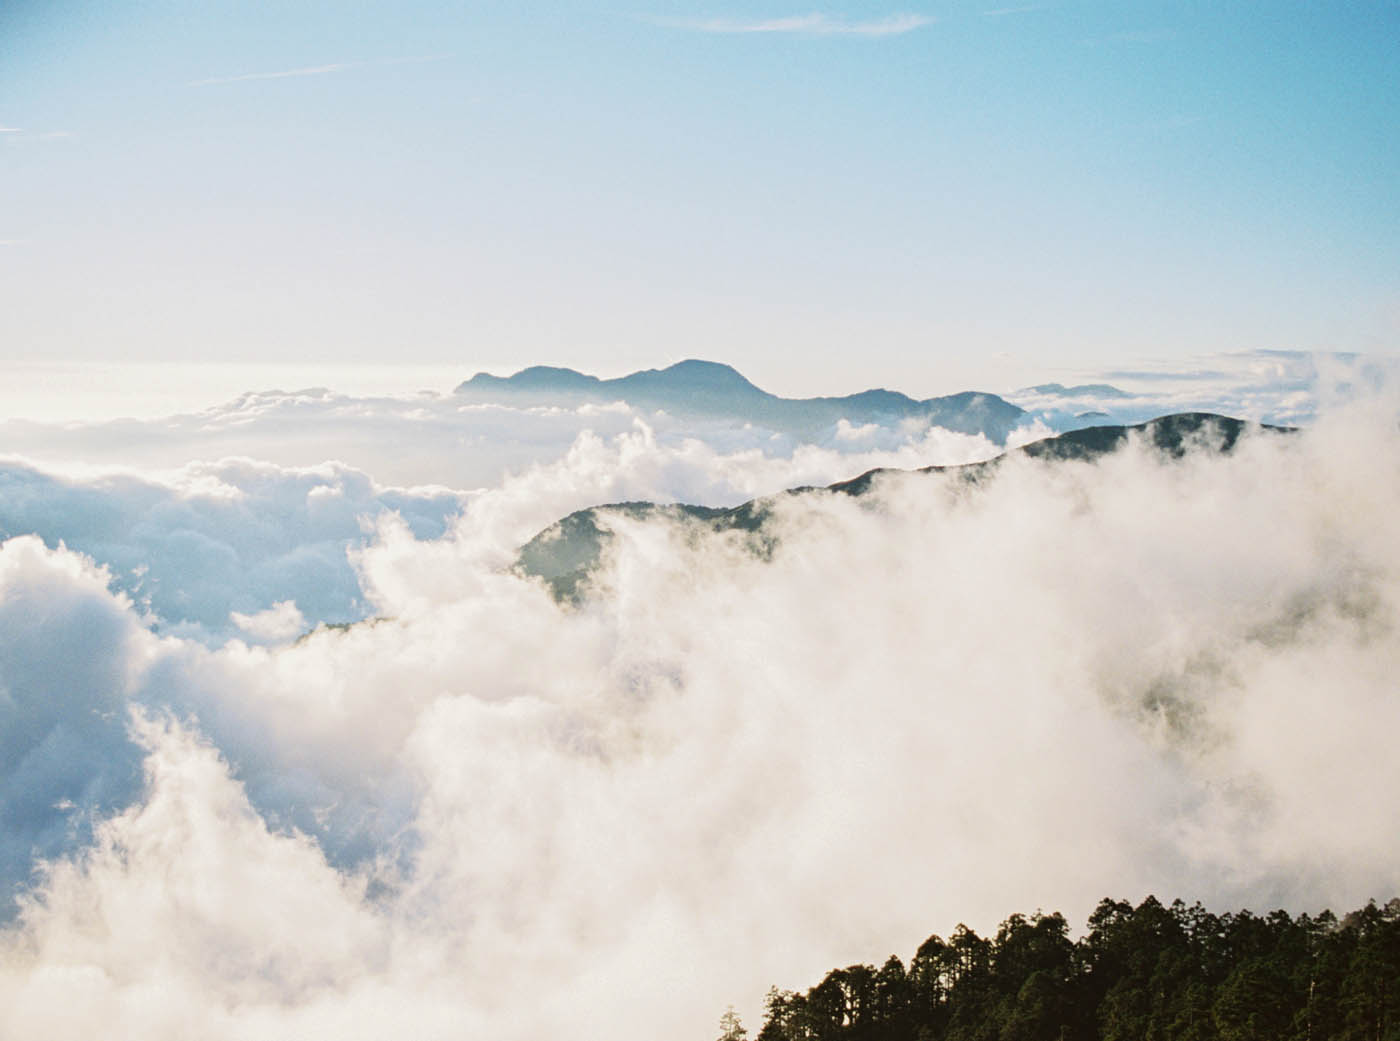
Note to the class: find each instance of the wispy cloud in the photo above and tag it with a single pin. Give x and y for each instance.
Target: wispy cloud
(17, 135)
(1001, 12)
(314, 70)
(310, 70)
(804, 24)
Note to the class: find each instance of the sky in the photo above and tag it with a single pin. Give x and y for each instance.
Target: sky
(924, 196)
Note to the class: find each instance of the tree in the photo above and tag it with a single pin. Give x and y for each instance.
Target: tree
(730, 1029)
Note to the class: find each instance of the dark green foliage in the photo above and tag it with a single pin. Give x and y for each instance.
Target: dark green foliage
(1144, 973)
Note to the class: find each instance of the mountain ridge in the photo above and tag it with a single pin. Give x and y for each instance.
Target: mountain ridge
(565, 553)
(711, 389)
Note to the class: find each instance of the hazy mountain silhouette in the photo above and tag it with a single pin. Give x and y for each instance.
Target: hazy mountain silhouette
(1059, 390)
(709, 389)
(568, 550)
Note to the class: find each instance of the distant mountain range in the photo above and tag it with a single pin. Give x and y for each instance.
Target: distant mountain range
(1059, 390)
(709, 389)
(567, 551)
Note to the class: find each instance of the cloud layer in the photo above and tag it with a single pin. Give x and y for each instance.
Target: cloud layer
(438, 439)
(444, 442)
(210, 548)
(932, 704)
(215, 540)
(1282, 387)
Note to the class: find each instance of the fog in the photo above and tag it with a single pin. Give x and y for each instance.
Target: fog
(483, 813)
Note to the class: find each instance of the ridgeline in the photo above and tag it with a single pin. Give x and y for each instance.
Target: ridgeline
(565, 554)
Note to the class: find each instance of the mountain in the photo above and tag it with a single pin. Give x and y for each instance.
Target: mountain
(710, 390)
(567, 551)
(1059, 390)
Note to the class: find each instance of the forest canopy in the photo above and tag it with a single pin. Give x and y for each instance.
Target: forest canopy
(1145, 973)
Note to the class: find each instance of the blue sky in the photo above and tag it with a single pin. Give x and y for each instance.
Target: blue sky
(823, 196)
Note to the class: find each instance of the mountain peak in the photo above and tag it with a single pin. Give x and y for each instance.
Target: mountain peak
(695, 374)
(698, 367)
(536, 377)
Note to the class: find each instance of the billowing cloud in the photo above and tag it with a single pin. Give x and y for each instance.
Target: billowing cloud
(277, 624)
(64, 692)
(210, 540)
(207, 544)
(934, 703)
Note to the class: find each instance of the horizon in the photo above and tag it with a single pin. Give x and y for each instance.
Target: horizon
(45, 391)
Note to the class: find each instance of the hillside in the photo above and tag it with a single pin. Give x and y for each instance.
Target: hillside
(1151, 971)
(565, 552)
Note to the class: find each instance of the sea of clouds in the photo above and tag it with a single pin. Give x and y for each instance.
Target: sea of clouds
(483, 813)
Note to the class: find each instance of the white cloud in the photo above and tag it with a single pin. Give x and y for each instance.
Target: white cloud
(409, 442)
(1281, 387)
(806, 24)
(278, 624)
(934, 704)
(211, 541)
(202, 544)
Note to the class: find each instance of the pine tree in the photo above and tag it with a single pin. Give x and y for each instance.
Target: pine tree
(730, 1028)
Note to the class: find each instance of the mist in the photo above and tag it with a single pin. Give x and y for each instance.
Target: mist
(483, 812)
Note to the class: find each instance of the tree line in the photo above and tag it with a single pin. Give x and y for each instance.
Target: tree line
(1145, 973)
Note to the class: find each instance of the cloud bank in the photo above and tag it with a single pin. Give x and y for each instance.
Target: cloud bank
(1280, 387)
(439, 439)
(213, 542)
(932, 704)
(444, 442)
(211, 549)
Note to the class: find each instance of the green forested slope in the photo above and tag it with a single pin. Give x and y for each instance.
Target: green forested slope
(1145, 973)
